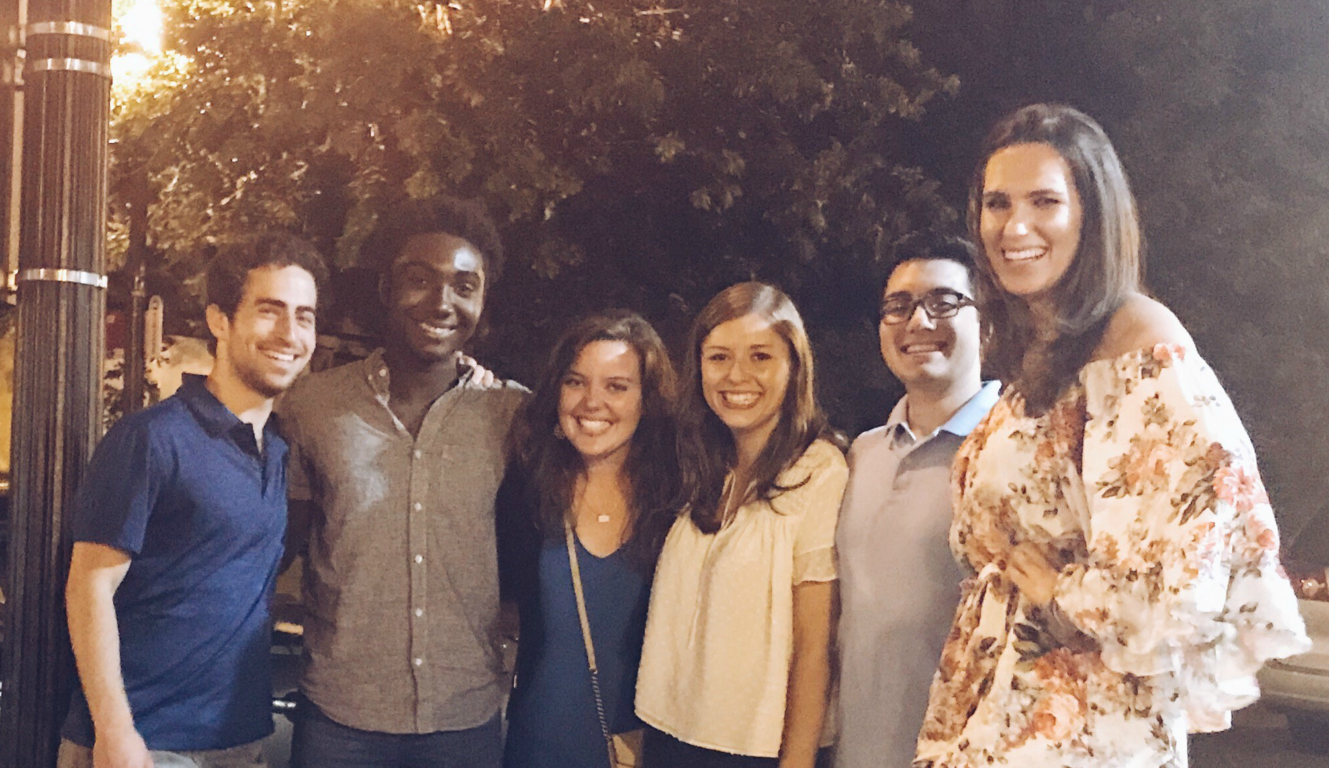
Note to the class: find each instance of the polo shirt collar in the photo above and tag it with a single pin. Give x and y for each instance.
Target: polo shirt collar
(963, 421)
(215, 418)
(960, 424)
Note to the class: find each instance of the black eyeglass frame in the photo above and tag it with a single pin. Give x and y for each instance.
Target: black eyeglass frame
(935, 311)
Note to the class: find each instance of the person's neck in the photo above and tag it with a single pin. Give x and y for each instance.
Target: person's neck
(253, 408)
(1046, 319)
(412, 376)
(928, 408)
(748, 446)
(605, 470)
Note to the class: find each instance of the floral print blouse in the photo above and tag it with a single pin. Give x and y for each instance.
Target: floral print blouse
(1140, 485)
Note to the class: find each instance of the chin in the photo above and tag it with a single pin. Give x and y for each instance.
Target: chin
(269, 387)
(440, 353)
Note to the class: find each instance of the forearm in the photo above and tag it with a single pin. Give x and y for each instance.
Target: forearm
(95, 573)
(95, 636)
(805, 709)
(809, 675)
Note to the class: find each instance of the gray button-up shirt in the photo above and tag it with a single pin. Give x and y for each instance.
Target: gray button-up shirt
(401, 582)
(899, 582)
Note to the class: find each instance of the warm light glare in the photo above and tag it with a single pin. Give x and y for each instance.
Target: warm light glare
(129, 67)
(142, 23)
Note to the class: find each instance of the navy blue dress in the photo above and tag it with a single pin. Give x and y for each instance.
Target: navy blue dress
(552, 721)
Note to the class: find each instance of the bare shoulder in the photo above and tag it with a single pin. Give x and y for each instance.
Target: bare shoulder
(1141, 323)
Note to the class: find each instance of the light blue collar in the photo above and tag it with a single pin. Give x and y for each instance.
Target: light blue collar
(961, 423)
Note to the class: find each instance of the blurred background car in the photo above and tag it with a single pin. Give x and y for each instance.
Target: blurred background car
(1298, 687)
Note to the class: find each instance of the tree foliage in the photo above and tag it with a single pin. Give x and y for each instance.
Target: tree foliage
(638, 153)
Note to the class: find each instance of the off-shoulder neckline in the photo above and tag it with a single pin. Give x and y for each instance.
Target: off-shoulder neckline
(1179, 352)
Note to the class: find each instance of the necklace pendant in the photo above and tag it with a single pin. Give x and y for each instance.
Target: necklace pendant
(602, 518)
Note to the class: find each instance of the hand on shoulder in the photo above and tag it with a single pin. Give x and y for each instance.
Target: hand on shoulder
(1141, 323)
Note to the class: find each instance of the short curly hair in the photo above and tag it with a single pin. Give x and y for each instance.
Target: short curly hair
(229, 269)
(446, 214)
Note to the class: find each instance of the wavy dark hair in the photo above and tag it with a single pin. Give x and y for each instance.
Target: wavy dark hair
(552, 465)
(228, 272)
(1106, 269)
(706, 446)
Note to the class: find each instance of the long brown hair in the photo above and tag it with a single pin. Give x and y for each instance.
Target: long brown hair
(706, 446)
(552, 465)
(1105, 271)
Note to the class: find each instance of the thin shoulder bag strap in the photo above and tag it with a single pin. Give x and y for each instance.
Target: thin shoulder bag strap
(590, 646)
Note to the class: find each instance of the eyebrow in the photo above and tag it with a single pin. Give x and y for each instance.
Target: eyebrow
(1001, 193)
(268, 301)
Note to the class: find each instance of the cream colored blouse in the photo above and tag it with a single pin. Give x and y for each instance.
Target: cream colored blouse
(720, 633)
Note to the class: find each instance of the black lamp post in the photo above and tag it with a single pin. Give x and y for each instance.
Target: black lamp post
(61, 308)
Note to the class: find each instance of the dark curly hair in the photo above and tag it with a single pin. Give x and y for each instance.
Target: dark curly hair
(552, 465)
(402, 220)
(229, 269)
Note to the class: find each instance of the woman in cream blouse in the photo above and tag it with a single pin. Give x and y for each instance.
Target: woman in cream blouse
(736, 665)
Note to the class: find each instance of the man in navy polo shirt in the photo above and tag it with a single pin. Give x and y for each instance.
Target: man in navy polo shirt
(178, 531)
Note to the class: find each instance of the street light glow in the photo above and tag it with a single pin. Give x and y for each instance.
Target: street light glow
(141, 23)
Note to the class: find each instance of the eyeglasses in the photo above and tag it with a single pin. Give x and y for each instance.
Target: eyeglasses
(938, 304)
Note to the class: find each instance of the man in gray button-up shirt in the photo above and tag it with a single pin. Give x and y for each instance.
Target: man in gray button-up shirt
(395, 462)
(899, 584)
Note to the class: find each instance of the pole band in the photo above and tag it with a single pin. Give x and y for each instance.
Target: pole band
(74, 28)
(71, 65)
(60, 276)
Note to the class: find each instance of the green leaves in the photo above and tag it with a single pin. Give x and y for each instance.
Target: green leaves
(637, 153)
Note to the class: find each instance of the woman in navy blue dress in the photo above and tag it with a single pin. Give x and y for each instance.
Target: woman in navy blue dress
(593, 452)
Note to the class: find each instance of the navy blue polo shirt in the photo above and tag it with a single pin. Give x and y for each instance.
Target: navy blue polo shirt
(183, 487)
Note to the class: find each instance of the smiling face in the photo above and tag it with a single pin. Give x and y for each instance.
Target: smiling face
(933, 354)
(1031, 218)
(600, 401)
(745, 368)
(269, 338)
(434, 296)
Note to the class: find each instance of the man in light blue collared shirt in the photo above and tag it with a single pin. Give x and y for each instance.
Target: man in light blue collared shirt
(899, 583)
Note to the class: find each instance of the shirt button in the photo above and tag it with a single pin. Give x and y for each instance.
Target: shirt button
(418, 506)
(419, 558)
(416, 454)
(419, 612)
(382, 371)
(418, 662)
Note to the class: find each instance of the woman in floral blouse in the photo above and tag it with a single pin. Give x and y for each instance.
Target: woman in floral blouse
(1127, 584)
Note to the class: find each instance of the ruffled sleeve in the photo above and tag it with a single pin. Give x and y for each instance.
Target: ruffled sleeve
(1182, 575)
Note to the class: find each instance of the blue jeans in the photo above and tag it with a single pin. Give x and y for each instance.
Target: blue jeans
(319, 742)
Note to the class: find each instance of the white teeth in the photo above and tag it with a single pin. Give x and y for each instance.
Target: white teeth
(285, 357)
(593, 427)
(1023, 254)
(740, 399)
(436, 331)
(913, 348)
